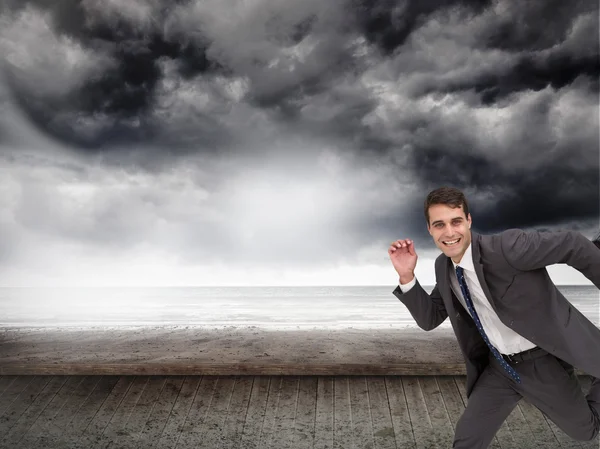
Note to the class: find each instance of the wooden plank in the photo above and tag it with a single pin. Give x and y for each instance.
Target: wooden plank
(64, 414)
(419, 416)
(520, 429)
(342, 429)
(14, 390)
(503, 437)
(538, 425)
(50, 422)
(87, 411)
(381, 417)
(232, 369)
(304, 424)
(129, 433)
(153, 428)
(593, 444)
(217, 413)
(21, 403)
(268, 427)
(255, 414)
(236, 413)
(93, 431)
(443, 431)
(115, 428)
(400, 414)
(286, 413)
(324, 419)
(44, 431)
(452, 398)
(193, 428)
(5, 383)
(362, 426)
(76, 397)
(29, 417)
(179, 412)
(565, 441)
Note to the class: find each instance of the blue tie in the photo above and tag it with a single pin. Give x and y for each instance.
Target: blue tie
(465, 291)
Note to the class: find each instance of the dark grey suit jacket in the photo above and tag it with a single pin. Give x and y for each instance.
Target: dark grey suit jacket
(511, 267)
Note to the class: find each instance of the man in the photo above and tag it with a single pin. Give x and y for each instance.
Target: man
(518, 334)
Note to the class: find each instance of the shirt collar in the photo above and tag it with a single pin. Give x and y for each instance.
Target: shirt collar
(467, 260)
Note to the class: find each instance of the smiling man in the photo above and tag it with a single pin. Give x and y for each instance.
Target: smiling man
(519, 335)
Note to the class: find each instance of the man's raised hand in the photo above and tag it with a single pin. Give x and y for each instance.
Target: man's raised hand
(404, 259)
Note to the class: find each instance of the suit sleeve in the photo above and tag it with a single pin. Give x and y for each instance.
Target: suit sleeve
(527, 251)
(427, 310)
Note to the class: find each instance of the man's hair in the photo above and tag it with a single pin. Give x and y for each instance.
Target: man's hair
(449, 196)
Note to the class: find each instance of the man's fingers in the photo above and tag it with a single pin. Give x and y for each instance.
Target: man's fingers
(397, 245)
(407, 245)
(393, 249)
(403, 245)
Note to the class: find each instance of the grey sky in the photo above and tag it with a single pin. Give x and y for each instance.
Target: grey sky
(151, 142)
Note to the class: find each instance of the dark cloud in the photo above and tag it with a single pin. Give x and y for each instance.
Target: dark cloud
(124, 92)
(121, 97)
(492, 97)
(279, 32)
(388, 23)
(530, 72)
(285, 91)
(535, 25)
(544, 44)
(522, 197)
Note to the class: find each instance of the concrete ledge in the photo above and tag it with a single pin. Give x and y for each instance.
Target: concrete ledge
(188, 350)
(150, 369)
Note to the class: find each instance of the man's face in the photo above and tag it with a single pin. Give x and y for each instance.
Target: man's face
(450, 229)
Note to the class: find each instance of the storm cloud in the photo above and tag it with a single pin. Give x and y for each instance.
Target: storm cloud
(287, 135)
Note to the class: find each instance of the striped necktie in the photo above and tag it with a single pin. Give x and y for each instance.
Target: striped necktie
(465, 291)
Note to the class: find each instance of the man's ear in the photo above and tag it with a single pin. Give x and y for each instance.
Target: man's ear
(469, 220)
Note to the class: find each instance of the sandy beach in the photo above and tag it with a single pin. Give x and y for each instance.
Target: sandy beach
(192, 346)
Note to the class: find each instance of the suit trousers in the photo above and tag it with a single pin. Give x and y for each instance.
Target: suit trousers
(547, 382)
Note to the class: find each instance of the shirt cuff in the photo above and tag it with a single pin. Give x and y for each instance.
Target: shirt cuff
(406, 287)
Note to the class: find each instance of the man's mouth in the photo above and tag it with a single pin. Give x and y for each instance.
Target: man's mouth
(451, 242)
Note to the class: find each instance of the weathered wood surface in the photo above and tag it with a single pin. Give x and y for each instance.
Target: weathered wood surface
(232, 369)
(183, 351)
(192, 351)
(252, 412)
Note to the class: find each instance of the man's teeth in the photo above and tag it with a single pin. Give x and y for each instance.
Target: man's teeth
(451, 242)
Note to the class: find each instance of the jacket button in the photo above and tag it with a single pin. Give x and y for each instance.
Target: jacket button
(511, 322)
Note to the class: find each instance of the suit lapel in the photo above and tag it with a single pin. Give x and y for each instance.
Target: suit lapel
(446, 290)
(475, 248)
(453, 306)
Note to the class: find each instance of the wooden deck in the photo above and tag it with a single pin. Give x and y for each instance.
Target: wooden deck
(316, 412)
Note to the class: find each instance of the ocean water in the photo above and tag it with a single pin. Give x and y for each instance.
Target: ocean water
(217, 307)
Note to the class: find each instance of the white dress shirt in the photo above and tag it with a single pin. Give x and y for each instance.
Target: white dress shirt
(504, 339)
